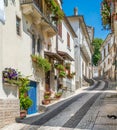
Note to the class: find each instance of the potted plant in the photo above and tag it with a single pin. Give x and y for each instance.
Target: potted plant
(47, 93)
(34, 58)
(67, 66)
(25, 104)
(55, 9)
(11, 76)
(62, 74)
(25, 101)
(60, 67)
(46, 100)
(41, 62)
(58, 95)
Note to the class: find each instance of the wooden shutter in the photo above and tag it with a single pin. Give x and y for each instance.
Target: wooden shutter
(68, 40)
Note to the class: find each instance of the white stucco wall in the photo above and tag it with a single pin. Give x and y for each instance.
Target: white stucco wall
(16, 50)
(82, 64)
(62, 46)
(62, 43)
(1, 90)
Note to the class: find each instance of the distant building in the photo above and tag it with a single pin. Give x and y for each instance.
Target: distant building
(106, 64)
(83, 49)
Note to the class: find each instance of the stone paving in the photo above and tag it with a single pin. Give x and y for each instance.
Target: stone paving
(95, 118)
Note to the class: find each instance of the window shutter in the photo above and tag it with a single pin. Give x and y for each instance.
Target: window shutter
(68, 40)
(60, 30)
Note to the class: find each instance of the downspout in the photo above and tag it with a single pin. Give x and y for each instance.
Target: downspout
(1, 52)
(57, 42)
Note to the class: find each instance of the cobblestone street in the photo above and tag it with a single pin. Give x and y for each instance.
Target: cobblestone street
(87, 110)
(80, 113)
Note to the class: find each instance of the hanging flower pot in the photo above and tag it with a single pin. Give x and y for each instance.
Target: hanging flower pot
(62, 74)
(67, 66)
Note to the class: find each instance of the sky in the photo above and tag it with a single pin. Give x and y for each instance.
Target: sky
(90, 9)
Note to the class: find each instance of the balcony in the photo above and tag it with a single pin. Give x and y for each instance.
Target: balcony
(86, 52)
(37, 10)
(65, 55)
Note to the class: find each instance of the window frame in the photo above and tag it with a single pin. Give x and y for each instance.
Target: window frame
(18, 25)
(68, 40)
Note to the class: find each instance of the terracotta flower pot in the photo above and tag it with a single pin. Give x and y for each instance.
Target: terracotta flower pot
(23, 114)
(45, 101)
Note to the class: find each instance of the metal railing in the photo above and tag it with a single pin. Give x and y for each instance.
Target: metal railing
(37, 3)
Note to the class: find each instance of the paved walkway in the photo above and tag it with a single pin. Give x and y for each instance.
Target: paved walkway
(100, 110)
(50, 107)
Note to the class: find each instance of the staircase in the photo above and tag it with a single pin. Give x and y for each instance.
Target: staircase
(87, 82)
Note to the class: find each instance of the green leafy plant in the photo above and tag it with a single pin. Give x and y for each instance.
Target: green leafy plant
(41, 62)
(24, 85)
(62, 74)
(55, 9)
(25, 102)
(60, 67)
(97, 42)
(46, 96)
(58, 95)
(67, 66)
(106, 15)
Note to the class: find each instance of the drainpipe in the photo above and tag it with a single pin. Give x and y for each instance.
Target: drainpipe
(115, 60)
(57, 42)
(1, 42)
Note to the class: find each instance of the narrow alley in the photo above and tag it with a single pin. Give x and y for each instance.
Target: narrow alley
(82, 111)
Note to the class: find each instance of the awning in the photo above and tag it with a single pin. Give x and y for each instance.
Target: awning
(65, 55)
(53, 55)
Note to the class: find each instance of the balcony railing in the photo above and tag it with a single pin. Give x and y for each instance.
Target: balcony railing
(35, 2)
(41, 15)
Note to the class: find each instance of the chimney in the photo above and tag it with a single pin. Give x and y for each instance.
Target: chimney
(75, 11)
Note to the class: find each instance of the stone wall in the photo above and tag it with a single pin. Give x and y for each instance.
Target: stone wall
(9, 110)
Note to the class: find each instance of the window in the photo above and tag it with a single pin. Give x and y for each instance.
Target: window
(33, 44)
(108, 61)
(68, 40)
(104, 52)
(104, 65)
(108, 48)
(114, 47)
(38, 46)
(60, 29)
(18, 26)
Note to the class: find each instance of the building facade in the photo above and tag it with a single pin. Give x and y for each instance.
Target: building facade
(26, 30)
(29, 29)
(110, 22)
(106, 64)
(83, 49)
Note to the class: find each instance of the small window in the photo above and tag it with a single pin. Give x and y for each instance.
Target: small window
(38, 46)
(108, 61)
(104, 65)
(108, 48)
(104, 52)
(60, 30)
(68, 40)
(33, 44)
(18, 26)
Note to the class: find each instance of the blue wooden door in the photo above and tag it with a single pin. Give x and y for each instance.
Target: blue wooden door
(32, 93)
